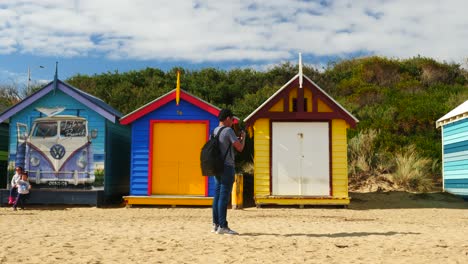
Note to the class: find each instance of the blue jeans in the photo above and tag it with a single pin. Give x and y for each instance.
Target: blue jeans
(222, 195)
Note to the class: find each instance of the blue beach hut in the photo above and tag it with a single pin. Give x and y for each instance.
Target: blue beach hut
(71, 144)
(165, 151)
(454, 127)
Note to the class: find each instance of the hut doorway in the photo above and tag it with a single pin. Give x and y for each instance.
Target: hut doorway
(175, 157)
(300, 158)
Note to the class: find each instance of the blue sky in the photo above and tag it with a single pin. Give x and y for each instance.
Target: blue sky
(96, 36)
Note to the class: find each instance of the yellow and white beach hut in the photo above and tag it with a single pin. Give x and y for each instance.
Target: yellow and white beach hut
(300, 146)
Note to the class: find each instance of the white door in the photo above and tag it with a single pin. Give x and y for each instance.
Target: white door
(300, 158)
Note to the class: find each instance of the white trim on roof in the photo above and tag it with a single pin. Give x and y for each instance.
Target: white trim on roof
(458, 113)
(271, 97)
(331, 98)
(284, 86)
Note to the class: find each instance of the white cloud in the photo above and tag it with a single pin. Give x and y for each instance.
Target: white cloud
(211, 30)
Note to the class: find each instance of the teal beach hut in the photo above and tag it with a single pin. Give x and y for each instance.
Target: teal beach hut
(454, 127)
(71, 144)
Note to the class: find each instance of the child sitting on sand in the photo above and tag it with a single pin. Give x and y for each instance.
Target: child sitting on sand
(23, 191)
(14, 187)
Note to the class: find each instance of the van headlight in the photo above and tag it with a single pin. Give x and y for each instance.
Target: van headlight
(34, 161)
(82, 162)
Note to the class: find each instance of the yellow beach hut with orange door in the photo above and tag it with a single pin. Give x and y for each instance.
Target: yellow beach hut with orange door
(167, 137)
(300, 146)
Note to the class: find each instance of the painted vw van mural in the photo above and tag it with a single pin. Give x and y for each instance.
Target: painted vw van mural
(57, 150)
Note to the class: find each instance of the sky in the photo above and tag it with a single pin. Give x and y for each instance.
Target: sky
(97, 36)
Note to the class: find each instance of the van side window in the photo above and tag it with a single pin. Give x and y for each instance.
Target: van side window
(72, 128)
(45, 129)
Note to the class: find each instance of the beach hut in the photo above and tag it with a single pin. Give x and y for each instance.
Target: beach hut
(167, 138)
(300, 146)
(71, 144)
(454, 126)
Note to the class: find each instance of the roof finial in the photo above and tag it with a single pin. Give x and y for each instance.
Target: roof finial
(300, 70)
(29, 79)
(56, 77)
(178, 88)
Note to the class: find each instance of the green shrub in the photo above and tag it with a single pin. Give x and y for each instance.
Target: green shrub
(99, 177)
(412, 170)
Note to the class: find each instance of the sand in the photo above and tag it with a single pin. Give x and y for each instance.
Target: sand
(376, 228)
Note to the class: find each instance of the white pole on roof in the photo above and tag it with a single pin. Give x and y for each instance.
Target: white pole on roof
(300, 70)
(28, 88)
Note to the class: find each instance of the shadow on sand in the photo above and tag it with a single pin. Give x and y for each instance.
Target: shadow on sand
(334, 235)
(402, 200)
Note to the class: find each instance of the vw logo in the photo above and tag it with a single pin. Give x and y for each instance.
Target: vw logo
(57, 151)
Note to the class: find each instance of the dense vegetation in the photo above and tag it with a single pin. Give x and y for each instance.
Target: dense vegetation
(396, 101)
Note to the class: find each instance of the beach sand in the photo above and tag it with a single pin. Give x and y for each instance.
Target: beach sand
(394, 227)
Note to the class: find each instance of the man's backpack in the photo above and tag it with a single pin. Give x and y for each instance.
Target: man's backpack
(211, 160)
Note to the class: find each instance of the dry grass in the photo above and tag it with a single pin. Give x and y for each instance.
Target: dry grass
(367, 164)
(361, 152)
(372, 169)
(248, 168)
(411, 171)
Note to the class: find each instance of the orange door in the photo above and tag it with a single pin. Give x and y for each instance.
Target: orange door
(176, 158)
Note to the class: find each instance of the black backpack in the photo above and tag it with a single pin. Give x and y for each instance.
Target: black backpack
(211, 161)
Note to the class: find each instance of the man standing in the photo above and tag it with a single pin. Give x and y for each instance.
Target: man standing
(228, 141)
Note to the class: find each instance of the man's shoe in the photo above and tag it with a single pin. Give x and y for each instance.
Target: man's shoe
(215, 228)
(226, 230)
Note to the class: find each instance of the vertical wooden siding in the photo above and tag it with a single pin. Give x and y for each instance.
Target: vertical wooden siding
(455, 151)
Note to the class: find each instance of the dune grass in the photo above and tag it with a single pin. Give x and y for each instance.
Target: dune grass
(404, 170)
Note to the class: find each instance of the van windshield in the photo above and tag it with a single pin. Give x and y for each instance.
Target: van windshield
(45, 129)
(73, 128)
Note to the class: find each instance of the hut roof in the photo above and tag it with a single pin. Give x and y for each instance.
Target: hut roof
(460, 112)
(166, 98)
(89, 100)
(253, 116)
